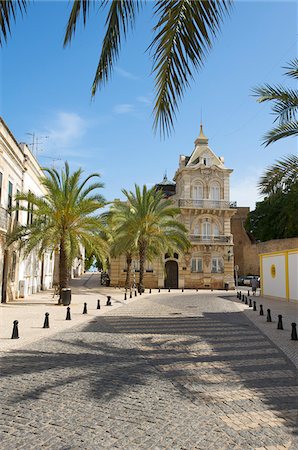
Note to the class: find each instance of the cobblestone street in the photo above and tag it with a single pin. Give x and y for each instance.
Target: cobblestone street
(175, 371)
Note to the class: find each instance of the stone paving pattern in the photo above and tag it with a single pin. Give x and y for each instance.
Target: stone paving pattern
(166, 372)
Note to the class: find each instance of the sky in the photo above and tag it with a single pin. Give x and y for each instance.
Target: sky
(46, 90)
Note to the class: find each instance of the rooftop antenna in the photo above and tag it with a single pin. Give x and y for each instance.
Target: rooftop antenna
(36, 142)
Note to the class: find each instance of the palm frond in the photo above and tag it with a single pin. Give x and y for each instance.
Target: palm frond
(79, 7)
(282, 131)
(184, 34)
(8, 11)
(280, 176)
(292, 69)
(121, 17)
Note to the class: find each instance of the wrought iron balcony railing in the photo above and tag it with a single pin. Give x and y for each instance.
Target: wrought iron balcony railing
(213, 204)
(211, 239)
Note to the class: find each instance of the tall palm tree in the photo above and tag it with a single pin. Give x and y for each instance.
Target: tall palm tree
(284, 106)
(182, 37)
(150, 223)
(281, 176)
(63, 218)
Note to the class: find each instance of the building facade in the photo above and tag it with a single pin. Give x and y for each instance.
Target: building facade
(19, 172)
(201, 189)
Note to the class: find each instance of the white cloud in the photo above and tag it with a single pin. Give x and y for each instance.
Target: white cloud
(146, 100)
(123, 73)
(66, 129)
(123, 108)
(245, 192)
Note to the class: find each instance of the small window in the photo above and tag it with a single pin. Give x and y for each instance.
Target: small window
(17, 207)
(196, 265)
(9, 200)
(217, 265)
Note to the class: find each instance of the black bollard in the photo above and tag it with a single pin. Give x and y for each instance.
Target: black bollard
(150, 291)
(250, 304)
(98, 304)
(279, 323)
(125, 297)
(294, 332)
(261, 310)
(15, 330)
(46, 321)
(196, 290)
(269, 315)
(85, 308)
(248, 293)
(255, 305)
(182, 289)
(109, 303)
(136, 293)
(130, 294)
(169, 290)
(68, 314)
(243, 297)
(246, 300)
(159, 290)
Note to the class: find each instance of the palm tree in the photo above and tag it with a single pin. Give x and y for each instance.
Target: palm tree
(150, 223)
(281, 176)
(182, 37)
(63, 219)
(285, 106)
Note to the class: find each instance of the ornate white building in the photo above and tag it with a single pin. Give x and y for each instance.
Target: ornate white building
(201, 189)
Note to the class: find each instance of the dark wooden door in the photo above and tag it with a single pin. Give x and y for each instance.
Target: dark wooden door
(171, 278)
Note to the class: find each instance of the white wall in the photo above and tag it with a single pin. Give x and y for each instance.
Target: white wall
(274, 286)
(293, 275)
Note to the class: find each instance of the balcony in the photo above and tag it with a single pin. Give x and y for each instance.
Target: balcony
(205, 239)
(4, 219)
(203, 204)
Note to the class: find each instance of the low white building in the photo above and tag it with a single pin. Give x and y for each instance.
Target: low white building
(19, 172)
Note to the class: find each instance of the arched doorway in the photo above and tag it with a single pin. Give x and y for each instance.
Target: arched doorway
(171, 275)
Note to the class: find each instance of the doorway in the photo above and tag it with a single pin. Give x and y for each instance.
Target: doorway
(171, 276)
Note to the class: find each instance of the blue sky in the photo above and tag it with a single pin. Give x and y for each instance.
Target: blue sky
(46, 90)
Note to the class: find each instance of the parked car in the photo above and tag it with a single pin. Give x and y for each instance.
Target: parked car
(246, 280)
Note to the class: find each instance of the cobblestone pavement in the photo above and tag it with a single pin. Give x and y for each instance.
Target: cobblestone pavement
(168, 372)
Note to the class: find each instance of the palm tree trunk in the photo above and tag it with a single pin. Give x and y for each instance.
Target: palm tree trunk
(128, 271)
(63, 268)
(142, 256)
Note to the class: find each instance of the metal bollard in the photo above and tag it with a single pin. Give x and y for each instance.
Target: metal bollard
(246, 300)
(242, 299)
(109, 303)
(68, 313)
(85, 308)
(130, 294)
(150, 291)
(261, 310)
(182, 289)
(250, 304)
(46, 321)
(255, 305)
(169, 290)
(279, 323)
(294, 332)
(248, 293)
(159, 290)
(125, 296)
(269, 315)
(98, 304)
(15, 330)
(135, 293)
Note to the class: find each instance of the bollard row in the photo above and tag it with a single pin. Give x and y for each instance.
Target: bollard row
(253, 304)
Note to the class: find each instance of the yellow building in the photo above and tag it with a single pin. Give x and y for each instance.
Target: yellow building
(201, 190)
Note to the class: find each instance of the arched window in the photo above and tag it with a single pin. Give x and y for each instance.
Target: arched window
(215, 191)
(206, 230)
(197, 191)
(196, 229)
(215, 230)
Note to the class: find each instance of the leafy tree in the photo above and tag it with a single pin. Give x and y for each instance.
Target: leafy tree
(182, 36)
(276, 216)
(284, 106)
(63, 218)
(149, 222)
